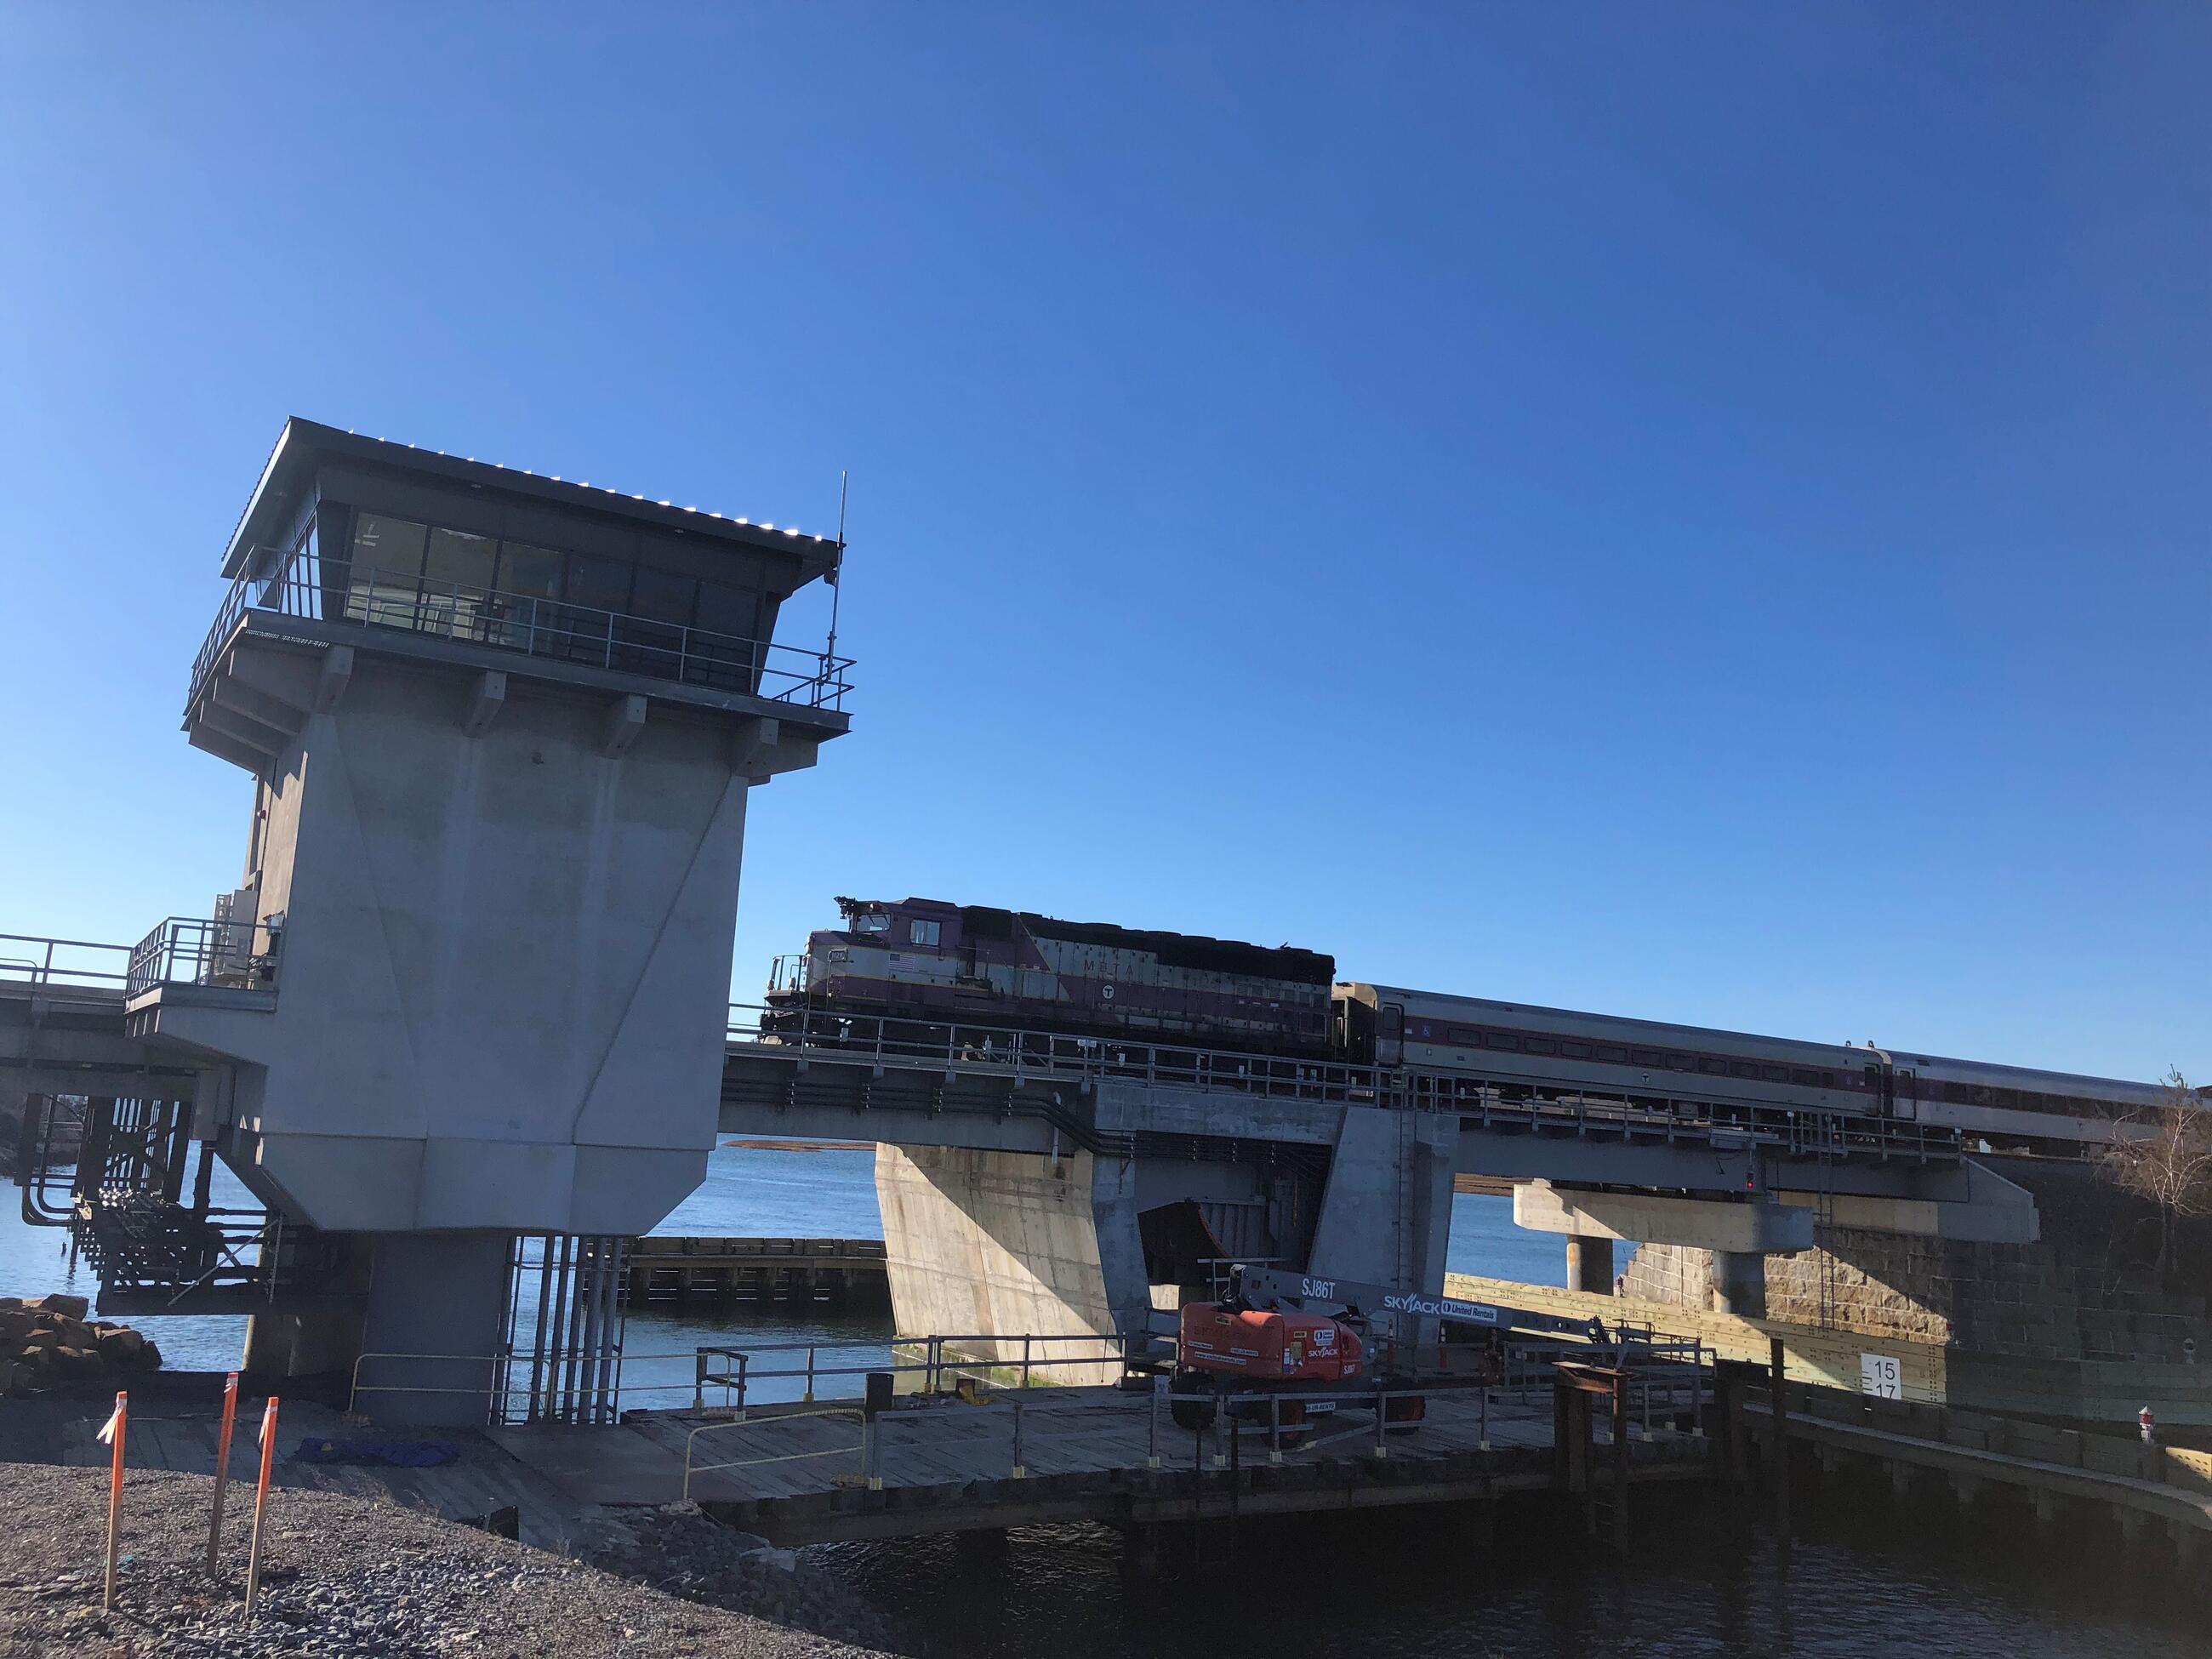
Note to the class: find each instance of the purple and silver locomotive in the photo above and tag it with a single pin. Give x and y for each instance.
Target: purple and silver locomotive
(924, 959)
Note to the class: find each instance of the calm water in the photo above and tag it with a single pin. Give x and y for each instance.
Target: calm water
(1403, 1585)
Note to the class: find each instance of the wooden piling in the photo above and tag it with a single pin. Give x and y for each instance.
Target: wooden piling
(1778, 1422)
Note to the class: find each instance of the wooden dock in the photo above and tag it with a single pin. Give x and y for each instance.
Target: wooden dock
(794, 1473)
(839, 1271)
(2043, 1470)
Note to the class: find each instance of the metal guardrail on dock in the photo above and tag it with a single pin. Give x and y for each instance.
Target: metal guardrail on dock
(938, 1462)
(942, 1357)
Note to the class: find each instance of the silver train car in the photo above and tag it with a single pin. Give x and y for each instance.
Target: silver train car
(1523, 1048)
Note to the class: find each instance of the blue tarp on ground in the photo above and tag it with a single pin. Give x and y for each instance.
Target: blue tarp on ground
(399, 1453)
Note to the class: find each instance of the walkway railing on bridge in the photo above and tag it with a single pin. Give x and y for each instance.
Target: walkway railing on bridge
(800, 1031)
(75, 963)
(345, 592)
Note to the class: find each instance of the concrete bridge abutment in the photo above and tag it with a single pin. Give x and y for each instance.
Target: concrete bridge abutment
(992, 1245)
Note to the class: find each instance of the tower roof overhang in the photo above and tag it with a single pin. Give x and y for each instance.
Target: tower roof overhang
(305, 446)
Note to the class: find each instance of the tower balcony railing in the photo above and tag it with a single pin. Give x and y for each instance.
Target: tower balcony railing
(556, 630)
(191, 951)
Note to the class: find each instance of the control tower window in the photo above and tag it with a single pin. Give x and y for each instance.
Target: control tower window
(529, 579)
(721, 651)
(456, 578)
(386, 565)
(874, 922)
(922, 933)
(597, 590)
(652, 635)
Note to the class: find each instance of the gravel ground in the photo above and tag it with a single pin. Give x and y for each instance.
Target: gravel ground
(348, 1578)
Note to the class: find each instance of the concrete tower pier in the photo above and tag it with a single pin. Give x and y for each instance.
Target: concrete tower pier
(501, 731)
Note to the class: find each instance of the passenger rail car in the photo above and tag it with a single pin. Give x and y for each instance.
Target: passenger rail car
(1523, 1048)
(924, 959)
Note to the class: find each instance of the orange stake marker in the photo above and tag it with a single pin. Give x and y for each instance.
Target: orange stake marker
(222, 1467)
(111, 1432)
(260, 1503)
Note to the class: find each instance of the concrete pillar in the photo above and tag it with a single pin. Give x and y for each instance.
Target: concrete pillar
(1009, 1244)
(432, 1295)
(1739, 1284)
(1385, 1215)
(1589, 1264)
(2189, 1547)
(321, 1343)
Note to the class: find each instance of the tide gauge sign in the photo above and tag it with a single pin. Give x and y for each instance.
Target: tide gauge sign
(1882, 1376)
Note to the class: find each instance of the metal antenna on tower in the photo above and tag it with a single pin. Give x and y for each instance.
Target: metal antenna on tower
(837, 587)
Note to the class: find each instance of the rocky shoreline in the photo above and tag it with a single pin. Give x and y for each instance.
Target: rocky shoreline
(48, 1342)
(346, 1578)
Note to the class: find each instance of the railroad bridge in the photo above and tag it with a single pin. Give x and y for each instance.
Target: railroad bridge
(461, 1025)
(1042, 1183)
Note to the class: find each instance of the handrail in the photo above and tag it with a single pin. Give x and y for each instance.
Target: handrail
(1086, 1059)
(691, 1468)
(40, 968)
(940, 1355)
(494, 1389)
(196, 951)
(1234, 1405)
(337, 591)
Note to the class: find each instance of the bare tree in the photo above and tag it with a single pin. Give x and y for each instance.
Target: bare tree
(2164, 1153)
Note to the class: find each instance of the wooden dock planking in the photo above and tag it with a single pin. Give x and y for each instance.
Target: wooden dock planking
(948, 1467)
(946, 1464)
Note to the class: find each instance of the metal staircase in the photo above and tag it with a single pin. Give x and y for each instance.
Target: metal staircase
(114, 1173)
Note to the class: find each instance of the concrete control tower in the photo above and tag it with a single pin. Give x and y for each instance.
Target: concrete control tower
(473, 982)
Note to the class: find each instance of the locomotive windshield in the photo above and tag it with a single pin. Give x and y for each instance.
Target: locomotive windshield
(874, 922)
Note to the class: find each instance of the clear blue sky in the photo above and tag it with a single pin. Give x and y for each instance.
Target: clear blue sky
(1699, 513)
